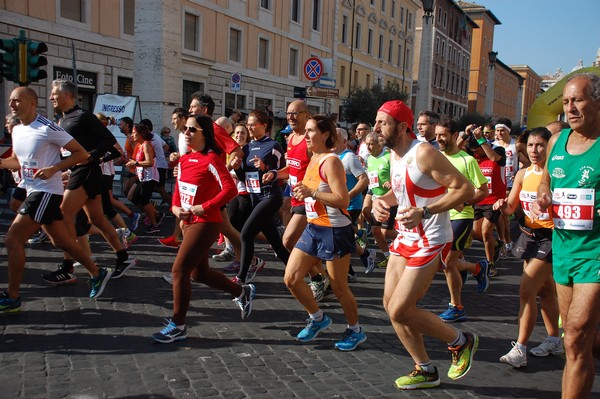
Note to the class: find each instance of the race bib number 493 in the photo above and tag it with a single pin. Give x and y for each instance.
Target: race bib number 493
(573, 208)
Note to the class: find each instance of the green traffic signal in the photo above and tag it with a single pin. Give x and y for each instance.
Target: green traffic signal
(10, 59)
(35, 61)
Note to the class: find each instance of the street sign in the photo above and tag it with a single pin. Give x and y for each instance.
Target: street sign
(322, 92)
(326, 82)
(313, 69)
(236, 82)
(299, 92)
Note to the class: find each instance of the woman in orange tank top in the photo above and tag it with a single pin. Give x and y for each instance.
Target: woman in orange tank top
(328, 235)
(535, 248)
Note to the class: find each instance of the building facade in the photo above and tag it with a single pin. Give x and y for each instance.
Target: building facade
(162, 51)
(532, 85)
(482, 45)
(450, 59)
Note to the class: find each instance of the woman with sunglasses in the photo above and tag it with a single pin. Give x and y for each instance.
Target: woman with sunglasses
(203, 187)
(261, 155)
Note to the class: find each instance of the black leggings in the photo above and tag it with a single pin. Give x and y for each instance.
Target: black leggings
(239, 209)
(192, 260)
(261, 219)
(107, 207)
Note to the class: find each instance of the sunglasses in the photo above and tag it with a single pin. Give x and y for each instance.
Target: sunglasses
(192, 129)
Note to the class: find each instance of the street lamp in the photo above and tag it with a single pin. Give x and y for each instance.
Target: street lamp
(423, 94)
(489, 93)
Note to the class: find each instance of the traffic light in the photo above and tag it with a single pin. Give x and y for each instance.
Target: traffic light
(10, 59)
(34, 61)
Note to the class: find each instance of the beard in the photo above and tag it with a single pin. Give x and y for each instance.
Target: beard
(392, 141)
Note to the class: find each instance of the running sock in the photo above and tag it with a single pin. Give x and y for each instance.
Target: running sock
(355, 328)
(317, 278)
(181, 327)
(460, 339)
(122, 256)
(521, 347)
(477, 269)
(318, 316)
(427, 367)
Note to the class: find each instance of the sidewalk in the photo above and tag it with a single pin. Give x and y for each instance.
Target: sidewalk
(62, 345)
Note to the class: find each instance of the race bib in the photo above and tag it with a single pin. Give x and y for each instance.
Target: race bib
(527, 198)
(29, 167)
(187, 193)
(140, 172)
(373, 179)
(309, 204)
(293, 180)
(573, 208)
(252, 182)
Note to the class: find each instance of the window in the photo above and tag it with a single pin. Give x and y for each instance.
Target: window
(380, 54)
(382, 5)
(230, 101)
(355, 80)
(342, 76)
(409, 20)
(235, 45)
(393, 9)
(190, 88)
(72, 9)
(400, 56)
(370, 42)
(128, 16)
(407, 60)
(266, 4)
(401, 15)
(357, 37)
(293, 70)
(263, 53)
(296, 11)
(345, 29)
(390, 51)
(368, 81)
(190, 39)
(316, 15)
(124, 86)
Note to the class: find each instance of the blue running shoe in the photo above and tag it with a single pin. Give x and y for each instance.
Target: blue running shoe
(7, 304)
(453, 314)
(98, 283)
(351, 340)
(170, 334)
(483, 281)
(313, 328)
(134, 221)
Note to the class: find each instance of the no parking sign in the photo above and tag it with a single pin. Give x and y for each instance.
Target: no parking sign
(313, 69)
(236, 82)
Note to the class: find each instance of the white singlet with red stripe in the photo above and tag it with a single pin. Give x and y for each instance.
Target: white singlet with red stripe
(413, 188)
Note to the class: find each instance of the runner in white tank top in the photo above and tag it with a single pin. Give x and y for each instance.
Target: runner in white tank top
(420, 176)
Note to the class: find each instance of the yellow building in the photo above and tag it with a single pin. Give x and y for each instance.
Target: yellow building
(162, 51)
(532, 86)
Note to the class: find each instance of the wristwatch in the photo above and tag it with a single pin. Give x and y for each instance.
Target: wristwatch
(426, 213)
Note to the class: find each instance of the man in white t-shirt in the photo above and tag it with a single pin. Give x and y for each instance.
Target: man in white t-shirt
(36, 151)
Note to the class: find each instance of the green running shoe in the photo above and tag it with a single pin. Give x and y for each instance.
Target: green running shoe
(418, 378)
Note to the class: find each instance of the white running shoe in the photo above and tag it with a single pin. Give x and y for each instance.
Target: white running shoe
(516, 357)
(548, 348)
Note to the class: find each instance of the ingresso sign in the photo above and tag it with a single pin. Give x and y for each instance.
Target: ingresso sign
(85, 80)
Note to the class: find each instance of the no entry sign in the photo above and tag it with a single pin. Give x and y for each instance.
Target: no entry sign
(313, 69)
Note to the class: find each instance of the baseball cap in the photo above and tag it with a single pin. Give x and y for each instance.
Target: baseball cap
(400, 112)
(287, 130)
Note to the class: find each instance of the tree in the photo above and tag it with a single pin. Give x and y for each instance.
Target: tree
(362, 103)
